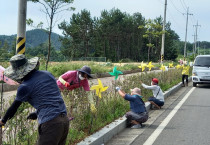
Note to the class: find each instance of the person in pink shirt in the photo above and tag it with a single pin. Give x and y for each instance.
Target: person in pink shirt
(75, 79)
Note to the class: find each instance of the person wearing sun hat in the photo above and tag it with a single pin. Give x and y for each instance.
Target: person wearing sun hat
(158, 98)
(138, 113)
(39, 89)
(75, 78)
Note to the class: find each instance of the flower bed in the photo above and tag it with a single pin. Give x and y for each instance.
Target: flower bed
(110, 107)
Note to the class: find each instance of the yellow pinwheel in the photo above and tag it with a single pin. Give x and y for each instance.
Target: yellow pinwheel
(150, 66)
(142, 66)
(99, 88)
(171, 65)
(163, 68)
(178, 66)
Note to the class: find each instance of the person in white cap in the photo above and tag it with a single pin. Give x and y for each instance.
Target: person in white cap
(39, 89)
(138, 113)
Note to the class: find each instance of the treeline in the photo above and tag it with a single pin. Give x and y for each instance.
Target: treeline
(116, 36)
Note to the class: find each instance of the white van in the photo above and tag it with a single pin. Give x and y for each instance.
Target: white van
(201, 70)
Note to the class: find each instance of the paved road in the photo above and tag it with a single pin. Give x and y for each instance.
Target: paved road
(183, 120)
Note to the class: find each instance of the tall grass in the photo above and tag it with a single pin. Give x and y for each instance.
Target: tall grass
(111, 106)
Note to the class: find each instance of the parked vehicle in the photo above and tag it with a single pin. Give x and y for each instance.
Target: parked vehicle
(201, 70)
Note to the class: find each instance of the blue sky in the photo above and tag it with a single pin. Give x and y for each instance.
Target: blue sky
(148, 8)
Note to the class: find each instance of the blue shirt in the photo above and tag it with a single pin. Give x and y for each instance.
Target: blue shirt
(136, 105)
(41, 91)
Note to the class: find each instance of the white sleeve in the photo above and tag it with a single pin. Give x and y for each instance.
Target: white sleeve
(148, 87)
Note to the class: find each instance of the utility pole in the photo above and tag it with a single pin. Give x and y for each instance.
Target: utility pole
(21, 29)
(198, 49)
(194, 51)
(196, 34)
(163, 35)
(185, 44)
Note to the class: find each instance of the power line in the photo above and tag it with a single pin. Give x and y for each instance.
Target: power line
(174, 19)
(176, 7)
(192, 20)
(182, 5)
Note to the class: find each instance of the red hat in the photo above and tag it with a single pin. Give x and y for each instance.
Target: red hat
(155, 80)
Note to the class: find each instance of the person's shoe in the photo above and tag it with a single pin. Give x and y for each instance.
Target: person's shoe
(136, 126)
(183, 85)
(187, 85)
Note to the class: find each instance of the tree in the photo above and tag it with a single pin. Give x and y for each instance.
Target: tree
(152, 33)
(79, 32)
(51, 8)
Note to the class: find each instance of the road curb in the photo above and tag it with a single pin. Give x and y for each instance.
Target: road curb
(105, 134)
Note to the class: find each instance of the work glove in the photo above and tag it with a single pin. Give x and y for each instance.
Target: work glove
(67, 84)
(117, 88)
(32, 116)
(93, 108)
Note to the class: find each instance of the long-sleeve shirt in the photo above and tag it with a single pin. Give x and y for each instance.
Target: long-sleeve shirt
(41, 91)
(74, 81)
(185, 69)
(155, 89)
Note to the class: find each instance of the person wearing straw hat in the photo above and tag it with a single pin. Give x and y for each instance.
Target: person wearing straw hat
(138, 113)
(158, 98)
(39, 89)
(75, 79)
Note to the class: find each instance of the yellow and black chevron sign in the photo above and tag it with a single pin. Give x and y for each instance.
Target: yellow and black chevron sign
(162, 58)
(20, 45)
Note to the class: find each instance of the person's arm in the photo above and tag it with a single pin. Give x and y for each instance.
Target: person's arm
(10, 112)
(62, 80)
(121, 93)
(124, 95)
(148, 87)
(65, 77)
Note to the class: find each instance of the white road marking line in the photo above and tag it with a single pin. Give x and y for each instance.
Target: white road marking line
(160, 128)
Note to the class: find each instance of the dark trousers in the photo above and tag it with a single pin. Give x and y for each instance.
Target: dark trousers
(156, 101)
(183, 77)
(54, 132)
(140, 118)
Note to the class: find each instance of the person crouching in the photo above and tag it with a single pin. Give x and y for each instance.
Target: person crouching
(138, 113)
(158, 98)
